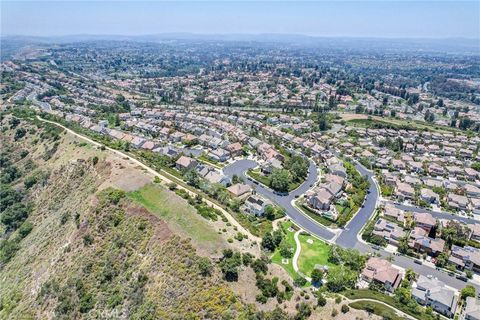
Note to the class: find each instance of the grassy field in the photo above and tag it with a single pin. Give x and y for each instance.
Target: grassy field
(178, 214)
(376, 308)
(313, 215)
(312, 254)
(277, 258)
(399, 124)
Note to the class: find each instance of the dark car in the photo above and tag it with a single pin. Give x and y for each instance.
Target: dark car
(417, 261)
(462, 278)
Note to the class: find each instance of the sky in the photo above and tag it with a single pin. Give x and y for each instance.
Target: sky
(334, 18)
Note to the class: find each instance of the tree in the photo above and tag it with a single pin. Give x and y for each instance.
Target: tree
(299, 281)
(468, 291)
(269, 212)
(341, 278)
(192, 178)
(304, 311)
(442, 260)
(321, 301)
(322, 122)
(286, 250)
(316, 276)
(205, 266)
(268, 242)
(410, 275)
(280, 180)
(345, 308)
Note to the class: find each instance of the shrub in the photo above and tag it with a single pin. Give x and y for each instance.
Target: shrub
(300, 281)
(334, 313)
(345, 308)
(321, 301)
(205, 266)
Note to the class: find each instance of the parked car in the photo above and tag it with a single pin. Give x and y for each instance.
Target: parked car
(462, 278)
(418, 261)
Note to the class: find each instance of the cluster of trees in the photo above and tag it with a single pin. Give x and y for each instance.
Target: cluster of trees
(14, 210)
(295, 170)
(350, 263)
(356, 193)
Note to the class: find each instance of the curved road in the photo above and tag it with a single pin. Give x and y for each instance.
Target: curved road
(349, 236)
(240, 167)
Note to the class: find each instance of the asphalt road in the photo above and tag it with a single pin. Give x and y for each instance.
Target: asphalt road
(240, 167)
(348, 238)
(437, 214)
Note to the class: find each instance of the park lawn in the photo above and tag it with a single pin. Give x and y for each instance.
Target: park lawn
(277, 258)
(313, 254)
(177, 213)
(376, 308)
(318, 218)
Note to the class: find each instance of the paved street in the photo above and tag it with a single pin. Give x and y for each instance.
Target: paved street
(348, 238)
(437, 214)
(240, 167)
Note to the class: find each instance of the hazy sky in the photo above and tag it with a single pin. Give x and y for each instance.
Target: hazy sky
(431, 19)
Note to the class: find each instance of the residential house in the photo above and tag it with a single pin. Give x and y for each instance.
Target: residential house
(465, 258)
(185, 163)
(456, 201)
(424, 220)
(256, 205)
(434, 293)
(235, 149)
(270, 165)
(393, 212)
(429, 196)
(389, 231)
(381, 271)
(472, 309)
(319, 198)
(220, 155)
(405, 191)
(215, 177)
(239, 189)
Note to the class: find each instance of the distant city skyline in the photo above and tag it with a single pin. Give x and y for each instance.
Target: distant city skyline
(382, 19)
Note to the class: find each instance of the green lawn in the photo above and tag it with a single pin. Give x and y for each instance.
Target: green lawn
(209, 161)
(277, 258)
(179, 215)
(376, 308)
(263, 179)
(315, 216)
(257, 175)
(312, 254)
